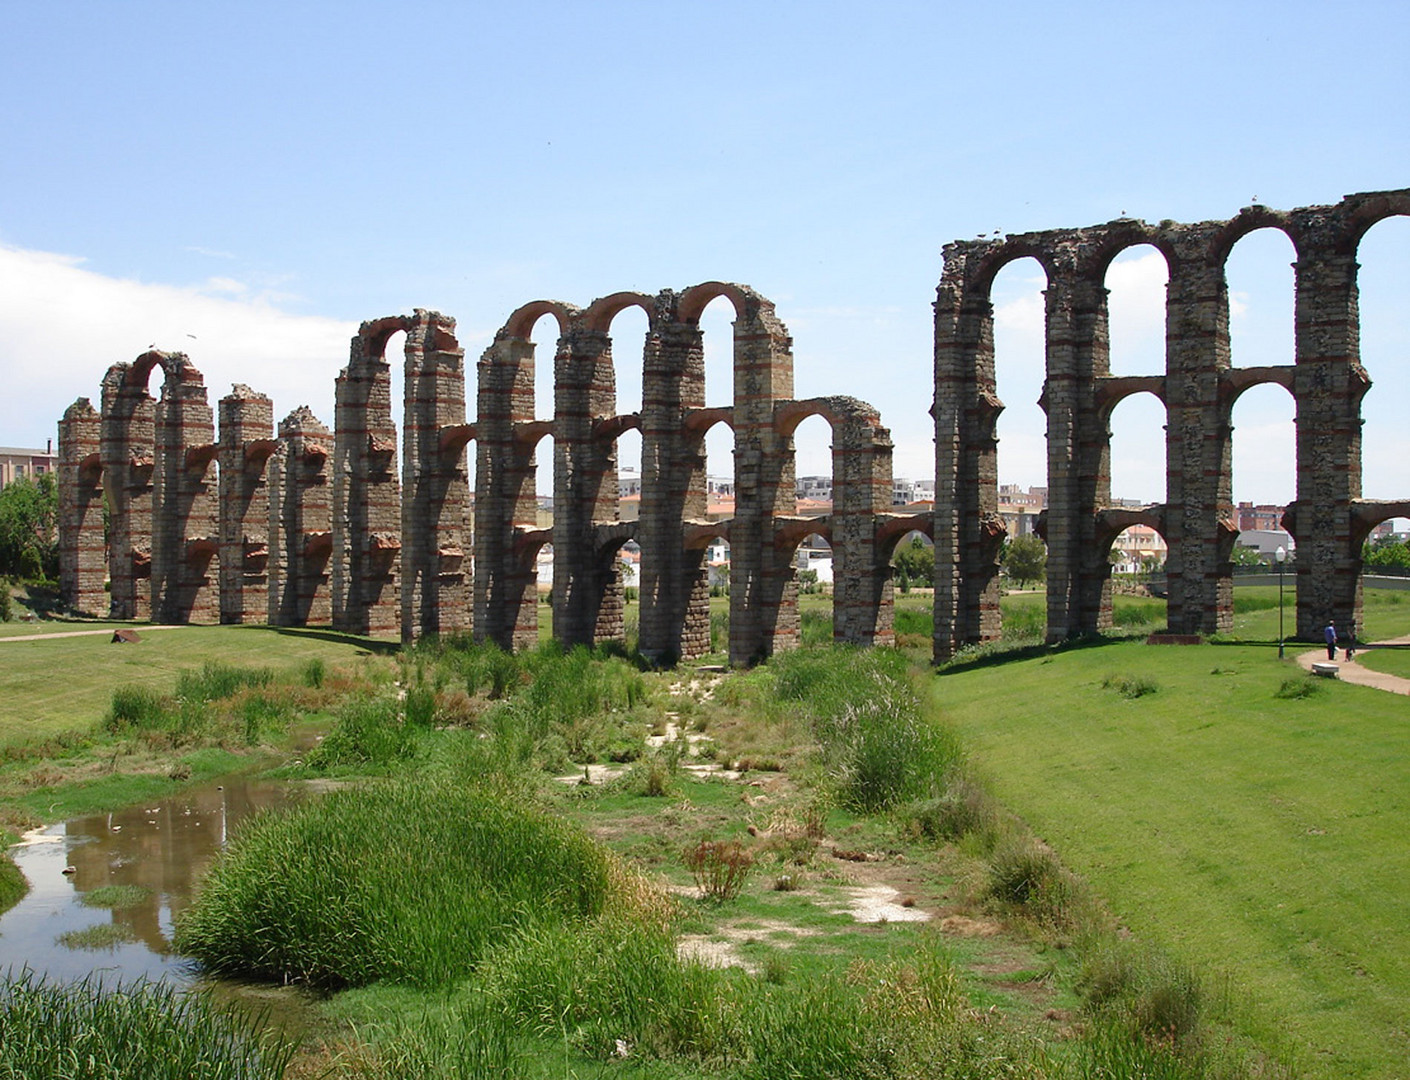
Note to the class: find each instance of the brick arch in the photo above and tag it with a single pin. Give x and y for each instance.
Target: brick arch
(692, 302)
(1361, 212)
(1235, 381)
(1121, 235)
(520, 324)
(836, 410)
(1250, 220)
(1113, 390)
(176, 368)
(599, 314)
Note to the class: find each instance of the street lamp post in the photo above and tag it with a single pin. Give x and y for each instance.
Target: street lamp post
(1282, 556)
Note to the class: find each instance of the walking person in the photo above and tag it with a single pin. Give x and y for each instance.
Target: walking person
(1350, 642)
(1330, 633)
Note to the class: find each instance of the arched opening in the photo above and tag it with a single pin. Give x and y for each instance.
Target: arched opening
(1384, 284)
(629, 332)
(1136, 282)
(717, 339)
(1261, 287)
(1264, 449)
(1020, 365)
(812, 571)
(544, 334)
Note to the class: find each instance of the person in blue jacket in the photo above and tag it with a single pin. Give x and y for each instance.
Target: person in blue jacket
(1331, 635)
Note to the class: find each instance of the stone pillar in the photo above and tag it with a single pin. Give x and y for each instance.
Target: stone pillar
(506, 504)
(300, 523)
(435, 493)
(82, 559)
(1079, 473)
(185, 532)
(675, 585)
(127, 448)
(587, 589)
(861, 493)
(1329, 384)
(1198, 492)
(763, 589)
(968, 529)
(366, 488)
(246, 444)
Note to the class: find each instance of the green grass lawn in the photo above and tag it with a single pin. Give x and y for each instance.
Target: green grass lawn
(1260, 838)
(60, 684)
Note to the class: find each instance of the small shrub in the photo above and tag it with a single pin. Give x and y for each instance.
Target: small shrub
(6, 602)
(1130, 686)
(1153, 996)
(216, 681)
(965, 808)
(139, 708)
(720, 867)
(369, 732)
(1305, 686)
(314, 672)
(420, 706)
(1025, 874)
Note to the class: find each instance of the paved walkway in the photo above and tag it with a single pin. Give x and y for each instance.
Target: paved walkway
(1352, 672)
(83, 633)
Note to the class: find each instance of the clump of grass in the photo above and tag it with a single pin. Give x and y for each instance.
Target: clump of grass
(872, 731)
(98, 938)
(1025, 874)
(965, 808)
(64, 1032)
(1304, 686)
(216, 681)
(314, 672)
(720, 867)
(1130, 686)
(398, 881)
(1152, 996)
(116, 897)
(139, 708)
(369, 733)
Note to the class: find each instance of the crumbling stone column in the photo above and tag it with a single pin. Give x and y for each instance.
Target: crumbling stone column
(366, 488)
(246, 444)
(1197, 443)
(1329, 384)
(300, 523)
(675, 587)
(507, 540)
(587, 588)
(435, 493)
(127, 453)
(862, 605)
(763, 589)
(185, 532)
(82, 558)
(1079, 476)
(968, 531)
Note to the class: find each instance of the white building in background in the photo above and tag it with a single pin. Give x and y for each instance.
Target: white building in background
(1138, 548)
(1267, 541)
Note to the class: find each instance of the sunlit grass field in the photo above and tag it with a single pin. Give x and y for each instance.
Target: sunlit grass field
(1252, 831)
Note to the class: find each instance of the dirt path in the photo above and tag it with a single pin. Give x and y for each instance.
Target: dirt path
(82, 633)
(1352, 672)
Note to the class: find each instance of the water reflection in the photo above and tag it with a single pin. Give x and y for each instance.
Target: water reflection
(161, 847)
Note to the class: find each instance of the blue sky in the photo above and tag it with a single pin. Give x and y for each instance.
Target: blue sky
(248, 182)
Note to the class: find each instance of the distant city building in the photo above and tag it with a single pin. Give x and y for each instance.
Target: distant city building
(1138, 548)
(19, 461)
(1263, 517)
(1267, 541)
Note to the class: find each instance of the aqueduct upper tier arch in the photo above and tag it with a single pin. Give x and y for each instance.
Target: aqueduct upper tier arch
(1198, 387)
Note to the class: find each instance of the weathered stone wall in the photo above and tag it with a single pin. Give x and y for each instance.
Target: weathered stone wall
(1199, 387)
(83, 566)
(246, 444)
(300, 523)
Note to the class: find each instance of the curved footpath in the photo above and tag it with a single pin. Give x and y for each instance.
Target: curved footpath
(83, 633)
(1352, 672)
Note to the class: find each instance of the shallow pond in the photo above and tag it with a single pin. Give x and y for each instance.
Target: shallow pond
(160, 848)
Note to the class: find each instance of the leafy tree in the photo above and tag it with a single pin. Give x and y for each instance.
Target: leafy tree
(1387, 551)
(1025, 559)
(1247, 556)
(916, 561)
(29, 514)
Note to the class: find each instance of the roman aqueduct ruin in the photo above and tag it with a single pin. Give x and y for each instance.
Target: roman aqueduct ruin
(238, 522)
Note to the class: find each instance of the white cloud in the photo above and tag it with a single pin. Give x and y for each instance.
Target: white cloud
(62, 326)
